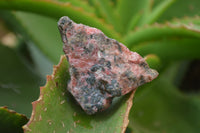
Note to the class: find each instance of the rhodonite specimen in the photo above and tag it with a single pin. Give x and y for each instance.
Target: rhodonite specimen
(100, 67)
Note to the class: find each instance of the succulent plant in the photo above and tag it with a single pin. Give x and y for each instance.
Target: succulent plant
(166, 33)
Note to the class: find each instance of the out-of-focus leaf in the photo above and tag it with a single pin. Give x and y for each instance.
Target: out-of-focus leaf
(180, 9)
(79, 3)
(57, 111)
(128, 9)
(36, 30)
(163, 31)
(108, 12)
(18, 84)
(42, 64)
(153, 9)
(153, 61)
(43, 32)
(161, 107)
(172, 49)
(194, 21)
(158, 11)
(10, 121)
(57, 9)
(178, 39)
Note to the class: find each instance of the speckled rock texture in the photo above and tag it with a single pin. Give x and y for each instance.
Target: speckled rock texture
(100, 67)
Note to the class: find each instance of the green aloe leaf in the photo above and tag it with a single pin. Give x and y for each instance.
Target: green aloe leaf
(57, 111)
(178, 39)
(57, 9)
(195, 21)
(181, 9)
(161, 107)
(158, 11)
(43, 32)
(18, 84)
(163, 31)
(108, 12)
(40, 30)
(129, 10)
(10, 121)
(79, 4)
(151, 12)
(172, 49)
(153, 61)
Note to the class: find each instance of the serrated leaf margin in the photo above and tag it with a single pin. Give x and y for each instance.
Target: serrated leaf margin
(39, 100)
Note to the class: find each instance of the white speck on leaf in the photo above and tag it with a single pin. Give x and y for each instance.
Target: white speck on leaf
(62, 102)
(40, 118)
(63, 124)
(45, 109)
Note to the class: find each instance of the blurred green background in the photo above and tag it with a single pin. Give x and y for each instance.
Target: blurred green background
(166, 32)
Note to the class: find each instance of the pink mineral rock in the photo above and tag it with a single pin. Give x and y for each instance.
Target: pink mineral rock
(100, 67)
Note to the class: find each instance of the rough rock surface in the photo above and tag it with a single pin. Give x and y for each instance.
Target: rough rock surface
(100, 67)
